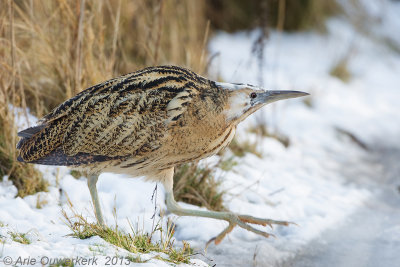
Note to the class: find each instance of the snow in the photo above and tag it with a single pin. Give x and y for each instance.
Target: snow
(306, 183)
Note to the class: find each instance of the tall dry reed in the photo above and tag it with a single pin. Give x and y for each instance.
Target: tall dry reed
(51, 50)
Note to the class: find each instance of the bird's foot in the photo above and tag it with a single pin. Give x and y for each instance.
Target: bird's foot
(243, 222)
(233, 219)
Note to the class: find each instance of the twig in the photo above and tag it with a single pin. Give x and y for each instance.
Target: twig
(255, 255)
(154, 196)
(115, 36)
(204, 46)
(276, 191)
(159, 32)
(78, 52)
(281, 15)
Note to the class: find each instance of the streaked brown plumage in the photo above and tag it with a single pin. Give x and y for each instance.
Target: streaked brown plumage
(125, 121)
(143, 124)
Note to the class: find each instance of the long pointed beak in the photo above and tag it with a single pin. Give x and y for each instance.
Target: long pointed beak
(266, 97)
(270, 96)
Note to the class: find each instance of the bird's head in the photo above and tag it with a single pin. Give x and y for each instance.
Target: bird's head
(244, 99)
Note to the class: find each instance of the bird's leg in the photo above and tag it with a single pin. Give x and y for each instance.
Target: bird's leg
(232, 218)
(92, 180)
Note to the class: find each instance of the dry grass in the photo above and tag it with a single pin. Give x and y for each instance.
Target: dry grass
(136, 242)
(341, 70)
(26, 178)
(20, 237)
(262, 131)
(76, 174)
(239, 149)
(197, 185)
(288, 15)
(352, 137)
(51, 50)
(40, 201)
(63, 263)
(308, 101)
(62, 47)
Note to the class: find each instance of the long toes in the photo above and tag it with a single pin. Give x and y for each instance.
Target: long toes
(254, 230)
(242, 221)
(221, 236)
(261, 221)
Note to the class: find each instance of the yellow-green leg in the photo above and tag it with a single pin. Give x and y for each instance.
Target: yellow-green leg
(233, 219)
(92, 180)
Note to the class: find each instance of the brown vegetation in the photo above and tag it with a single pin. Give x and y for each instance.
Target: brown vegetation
(288, 15)
(50, 50)
(137, 241)
(198, 185)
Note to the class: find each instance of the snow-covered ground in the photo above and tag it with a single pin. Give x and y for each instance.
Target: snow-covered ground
(307, 183)
(316, 170)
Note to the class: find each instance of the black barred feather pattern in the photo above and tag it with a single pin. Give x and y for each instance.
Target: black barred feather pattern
(144, 124)
(125, 117)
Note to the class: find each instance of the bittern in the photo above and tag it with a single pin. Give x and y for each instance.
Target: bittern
(144, 124)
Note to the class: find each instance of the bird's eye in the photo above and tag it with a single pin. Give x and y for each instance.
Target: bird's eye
(253, 95)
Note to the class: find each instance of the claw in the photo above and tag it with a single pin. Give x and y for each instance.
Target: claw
(208, 243)
(260, 221)
(243, 221)
(293, 223)
(252, 229)
(221, 236)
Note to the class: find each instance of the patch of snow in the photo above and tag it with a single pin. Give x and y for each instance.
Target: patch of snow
(310, 176)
